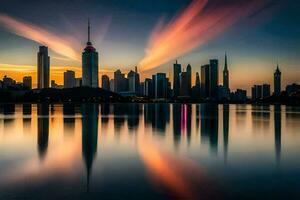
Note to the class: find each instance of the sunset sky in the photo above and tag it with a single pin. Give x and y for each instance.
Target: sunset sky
(256, 34)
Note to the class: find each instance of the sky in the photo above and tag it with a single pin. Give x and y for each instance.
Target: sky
(256, 34)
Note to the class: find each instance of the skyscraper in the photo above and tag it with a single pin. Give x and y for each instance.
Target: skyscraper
(90, 64)
(226, 74)
(120, 82)
(134, 81)
(189, 78)
(161, 85)
(277, 81)
(184, 86)
(176, 79)
(204, 83)
(27, 82)
(266, 91)
(43, 67)
(213, 79)
(105, 82)
(69, 79)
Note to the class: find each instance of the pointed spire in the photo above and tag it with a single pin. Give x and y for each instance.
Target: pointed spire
(89, 30)
(225, 66)
(136, 69)
(176, 61)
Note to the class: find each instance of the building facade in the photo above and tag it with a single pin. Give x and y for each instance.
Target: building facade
(43, 71)
(69, 79)
(90, 64)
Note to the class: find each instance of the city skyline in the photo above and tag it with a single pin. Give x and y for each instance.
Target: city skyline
(244, 61)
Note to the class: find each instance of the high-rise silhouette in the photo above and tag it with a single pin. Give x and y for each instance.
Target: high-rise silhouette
(176, 79)
(277, 81)
(90, 64)
(226, 74)
(43, 71)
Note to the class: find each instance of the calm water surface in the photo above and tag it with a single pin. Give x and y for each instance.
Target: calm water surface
(149, 151)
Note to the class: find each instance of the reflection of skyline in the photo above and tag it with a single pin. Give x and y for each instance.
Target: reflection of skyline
(89, 136)
(277, 128)
(225, 130)
(43, 129)
(209, 125)
(69, 118)
(27, 109)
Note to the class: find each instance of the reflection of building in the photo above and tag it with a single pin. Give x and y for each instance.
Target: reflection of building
(225, 130)
(89, 136)
(133, 116)
(277, 82)
(90, 64)
(43, 68)
(69, 118)
(43, 129)
(277, 127)
(209, 125)
(161, 117)
(27, 117)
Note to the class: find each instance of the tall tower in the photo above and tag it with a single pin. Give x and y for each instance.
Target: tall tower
(226, 74)
(176, 79)
(189, 78)
(277, 81)
(90, 63)
(43, 67)
(213, 79)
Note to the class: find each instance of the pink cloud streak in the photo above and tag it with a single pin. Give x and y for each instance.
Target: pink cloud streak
(196, 25)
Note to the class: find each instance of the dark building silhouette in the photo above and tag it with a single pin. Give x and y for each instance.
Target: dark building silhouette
(89, 136)
(225, 90)
(205, 81)
(43, 71)
(134, 81)
(213, 79)
(120, 82)
(161, 86)
(90, 64)
(226, 74)
(176, 79)
(189, 78)
(184, 86)
(27, 82)
(266, 91)
(277, 128)
(209, 125)
(69, 79)
(43, 129)
(277, 82)
(105, 82)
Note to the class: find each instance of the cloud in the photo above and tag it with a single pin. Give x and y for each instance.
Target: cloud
(199, 23)
(59, 43)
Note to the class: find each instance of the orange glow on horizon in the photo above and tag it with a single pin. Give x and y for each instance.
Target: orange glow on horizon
(17, 72)
(195, 26)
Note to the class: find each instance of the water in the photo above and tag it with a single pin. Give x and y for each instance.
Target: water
(149, 151)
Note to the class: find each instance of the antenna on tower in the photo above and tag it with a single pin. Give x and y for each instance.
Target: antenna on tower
(89, 31)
